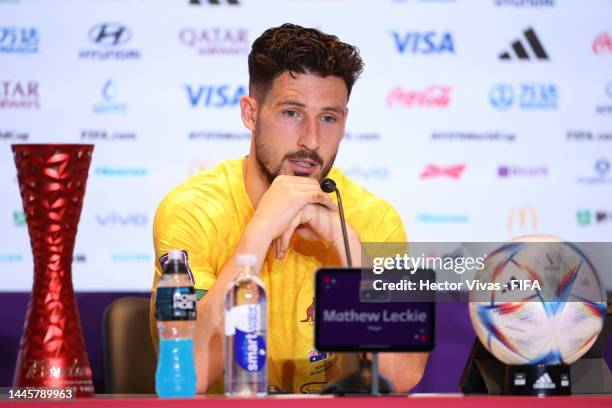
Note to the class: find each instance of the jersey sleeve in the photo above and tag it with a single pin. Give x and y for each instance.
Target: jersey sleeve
(391, 227)
(386, 236)
(396, 232)
(177, 226)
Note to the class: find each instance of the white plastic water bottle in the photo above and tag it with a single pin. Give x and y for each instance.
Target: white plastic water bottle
(175, 312)
(246, 328)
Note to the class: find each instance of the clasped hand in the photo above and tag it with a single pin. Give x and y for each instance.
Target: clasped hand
(297, 205)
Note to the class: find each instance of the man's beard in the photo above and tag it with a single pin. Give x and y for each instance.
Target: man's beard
(263, 155)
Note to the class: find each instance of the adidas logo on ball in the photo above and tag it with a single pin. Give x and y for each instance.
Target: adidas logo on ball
(544, 383)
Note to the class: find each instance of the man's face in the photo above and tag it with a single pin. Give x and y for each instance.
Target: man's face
(299, 125)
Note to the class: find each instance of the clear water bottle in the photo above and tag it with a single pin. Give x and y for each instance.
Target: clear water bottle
(246, 328)
(175, 312)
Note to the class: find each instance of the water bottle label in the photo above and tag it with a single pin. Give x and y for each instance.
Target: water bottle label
(249, 343)
(230, 329)
(175, 304)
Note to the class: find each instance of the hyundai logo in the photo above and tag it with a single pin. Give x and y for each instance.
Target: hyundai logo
(110, 34)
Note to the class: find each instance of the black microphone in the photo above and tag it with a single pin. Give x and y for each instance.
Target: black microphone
(328, 185)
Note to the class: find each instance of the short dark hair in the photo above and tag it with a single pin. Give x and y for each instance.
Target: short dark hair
(302, 50)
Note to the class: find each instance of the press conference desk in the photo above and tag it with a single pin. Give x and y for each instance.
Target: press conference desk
(300, 401)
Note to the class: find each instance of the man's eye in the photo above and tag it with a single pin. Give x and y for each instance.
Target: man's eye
(290, 114)
(329, 119)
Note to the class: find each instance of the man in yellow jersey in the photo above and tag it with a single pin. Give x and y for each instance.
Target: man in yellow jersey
(270, 204)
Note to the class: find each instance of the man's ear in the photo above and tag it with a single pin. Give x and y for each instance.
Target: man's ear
(248, 111)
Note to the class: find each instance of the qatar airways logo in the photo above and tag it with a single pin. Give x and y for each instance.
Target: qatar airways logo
(602, 44)
(216, 41)
(434, 96)
(19, 95)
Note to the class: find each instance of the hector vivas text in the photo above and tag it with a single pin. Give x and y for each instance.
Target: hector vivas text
(458, 265)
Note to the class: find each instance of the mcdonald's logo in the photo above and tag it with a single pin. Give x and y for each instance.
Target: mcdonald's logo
(195, 167)
(522, 218)
(198, 165)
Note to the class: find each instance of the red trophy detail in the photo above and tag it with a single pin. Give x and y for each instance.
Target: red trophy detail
(52, 351)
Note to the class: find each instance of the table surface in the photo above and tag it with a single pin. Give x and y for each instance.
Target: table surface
(298, 401)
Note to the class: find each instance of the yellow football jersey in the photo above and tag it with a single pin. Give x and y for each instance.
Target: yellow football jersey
(206, 216)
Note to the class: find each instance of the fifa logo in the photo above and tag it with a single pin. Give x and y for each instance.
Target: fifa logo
(522, 218)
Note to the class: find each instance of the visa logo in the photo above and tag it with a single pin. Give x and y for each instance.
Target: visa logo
(215, 96)
(428, 42)
(114, 219)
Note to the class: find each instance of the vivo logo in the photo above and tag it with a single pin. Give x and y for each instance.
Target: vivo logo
(114, 219)
(215, 96)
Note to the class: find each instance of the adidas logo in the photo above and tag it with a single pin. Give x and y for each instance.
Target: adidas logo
(544, 383)
(213, 2)
(519, 48)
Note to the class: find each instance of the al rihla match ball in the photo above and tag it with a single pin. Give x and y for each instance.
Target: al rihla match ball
(555, 321)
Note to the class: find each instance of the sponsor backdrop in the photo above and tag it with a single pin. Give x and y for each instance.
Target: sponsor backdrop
(479, 120)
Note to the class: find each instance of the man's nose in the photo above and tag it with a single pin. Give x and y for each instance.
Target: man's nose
(309, 138)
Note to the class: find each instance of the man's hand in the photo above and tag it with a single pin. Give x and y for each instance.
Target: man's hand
(284, 200)
(314, 222)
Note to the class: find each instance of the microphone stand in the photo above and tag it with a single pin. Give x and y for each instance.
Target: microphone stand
(328, 185)
(356, 382)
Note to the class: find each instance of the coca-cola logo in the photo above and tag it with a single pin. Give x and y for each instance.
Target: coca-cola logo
(602, 44)
(434, 96)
